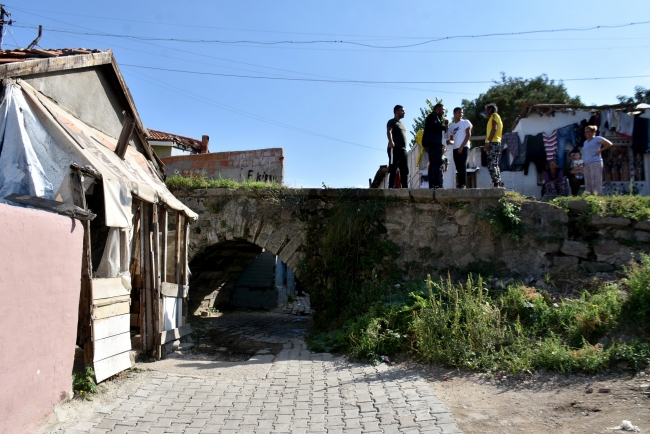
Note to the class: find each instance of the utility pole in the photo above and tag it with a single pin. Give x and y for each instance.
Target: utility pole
(3, 14)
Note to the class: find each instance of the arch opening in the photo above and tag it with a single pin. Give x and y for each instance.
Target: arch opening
(238, 274)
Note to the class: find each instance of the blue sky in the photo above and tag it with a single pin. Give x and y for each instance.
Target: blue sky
(242, 113)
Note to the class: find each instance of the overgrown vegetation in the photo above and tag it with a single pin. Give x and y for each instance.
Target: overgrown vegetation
(505, 218)
(513, 329)
(629, 206)
(178, 182)
(84, 381)
(346, 260)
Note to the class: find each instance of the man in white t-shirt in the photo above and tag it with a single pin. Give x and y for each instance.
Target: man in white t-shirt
(459, 134)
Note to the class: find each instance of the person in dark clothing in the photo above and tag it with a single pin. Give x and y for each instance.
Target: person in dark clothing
(434, 127)
(397, 158)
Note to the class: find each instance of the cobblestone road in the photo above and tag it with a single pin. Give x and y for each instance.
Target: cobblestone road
(300, 392)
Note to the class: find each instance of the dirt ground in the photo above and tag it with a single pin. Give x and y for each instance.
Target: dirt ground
(542, 403)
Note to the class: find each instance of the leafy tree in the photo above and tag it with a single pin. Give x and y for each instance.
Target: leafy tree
(510, 94)
(641, 94)
(418, 123)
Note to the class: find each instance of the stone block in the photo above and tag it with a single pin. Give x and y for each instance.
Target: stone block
(643, 225)
(579, 206)
(543, 219)
(609, 222)
(575, 248)
(624, 234)
(598, 267)
(565, 261)
(606, 249)
(642, 236)
(463, 217)
(467, 194)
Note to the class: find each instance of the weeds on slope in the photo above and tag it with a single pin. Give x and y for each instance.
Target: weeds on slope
(510, 330)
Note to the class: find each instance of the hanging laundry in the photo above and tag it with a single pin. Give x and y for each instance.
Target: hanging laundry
(640, 137)
(504, 161)
(565, 135)
(518, 163)
(605, 122)
(535, 152)
(550, 144)
(511, 142)
(625, 124)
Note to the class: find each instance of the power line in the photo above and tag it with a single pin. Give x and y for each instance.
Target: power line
(233, 28)
(359, 81)
(207, 101)
(356, 43)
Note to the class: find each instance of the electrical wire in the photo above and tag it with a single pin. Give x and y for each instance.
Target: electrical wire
(384, 86)
(429, 41)
(360, 81)
(225, 107)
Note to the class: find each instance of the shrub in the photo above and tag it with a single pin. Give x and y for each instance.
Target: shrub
(629, 206)
(178, 182)
(84, 381)
(638, 281)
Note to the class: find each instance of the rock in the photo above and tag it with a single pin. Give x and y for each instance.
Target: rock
(609, 222)
(590, 390)
(643, 226)
(624, 234)
(579, 206)
(463, 217)
(642, 236)
(539, 218)
(565, 261)
(575, 248)
(604, 390)
(598, 267)
(466, 260)
(606, 249)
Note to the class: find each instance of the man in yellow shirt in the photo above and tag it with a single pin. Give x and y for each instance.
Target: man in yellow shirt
(493, 143)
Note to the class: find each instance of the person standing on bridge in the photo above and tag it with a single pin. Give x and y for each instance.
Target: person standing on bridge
(459, 134)
(493, 143)
(397, 158)
(434, 127)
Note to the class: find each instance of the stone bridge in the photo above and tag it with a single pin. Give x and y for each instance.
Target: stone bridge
(436, 232)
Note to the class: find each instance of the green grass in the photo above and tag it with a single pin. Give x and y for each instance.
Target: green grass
(178, 182)
(513, 329)
(629, 206)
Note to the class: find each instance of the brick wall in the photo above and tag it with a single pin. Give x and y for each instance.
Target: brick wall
(260, 165)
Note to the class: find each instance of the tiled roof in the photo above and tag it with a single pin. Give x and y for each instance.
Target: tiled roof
(188, 142)
(23, 54)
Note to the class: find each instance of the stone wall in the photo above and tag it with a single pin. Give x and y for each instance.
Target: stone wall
(439, 232)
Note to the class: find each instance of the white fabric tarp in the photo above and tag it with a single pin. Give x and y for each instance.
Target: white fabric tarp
(41, 140)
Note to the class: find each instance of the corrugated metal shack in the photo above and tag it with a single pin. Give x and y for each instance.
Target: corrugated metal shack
(71, 135)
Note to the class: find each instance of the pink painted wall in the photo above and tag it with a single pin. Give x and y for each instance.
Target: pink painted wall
(40, 272)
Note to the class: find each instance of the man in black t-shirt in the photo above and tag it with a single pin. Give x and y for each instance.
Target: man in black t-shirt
(397, 158)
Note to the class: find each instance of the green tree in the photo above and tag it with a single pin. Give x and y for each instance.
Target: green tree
(418, 123)
(641, 94)
(510, 94)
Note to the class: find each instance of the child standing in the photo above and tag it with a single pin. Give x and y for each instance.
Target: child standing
(576, 170)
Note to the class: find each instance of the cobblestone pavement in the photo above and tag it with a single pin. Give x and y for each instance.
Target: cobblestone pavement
(301, 392)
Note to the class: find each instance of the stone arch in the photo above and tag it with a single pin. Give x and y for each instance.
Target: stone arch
(233, 228)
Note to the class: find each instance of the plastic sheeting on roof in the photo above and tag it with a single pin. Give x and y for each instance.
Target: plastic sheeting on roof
(80, 143)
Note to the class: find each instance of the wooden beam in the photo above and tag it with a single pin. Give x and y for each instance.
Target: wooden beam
(115, 309)
(186, 267)
(107, 327)
(172, 335)
(163, 245)
(52, 206)
(84, 325)
(108, 367)
(78, 193)
(156, 280)
(109, 287)
(143, 320)
(40, 66)
(125, 136)
(179, 220)
(173, 290)
(111, 346)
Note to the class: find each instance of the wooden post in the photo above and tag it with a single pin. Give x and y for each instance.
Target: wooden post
(125, 136)
(163, 246)
(156, 281)
(143, 286)
(179, 220)
(86, 300)
(186, 267)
